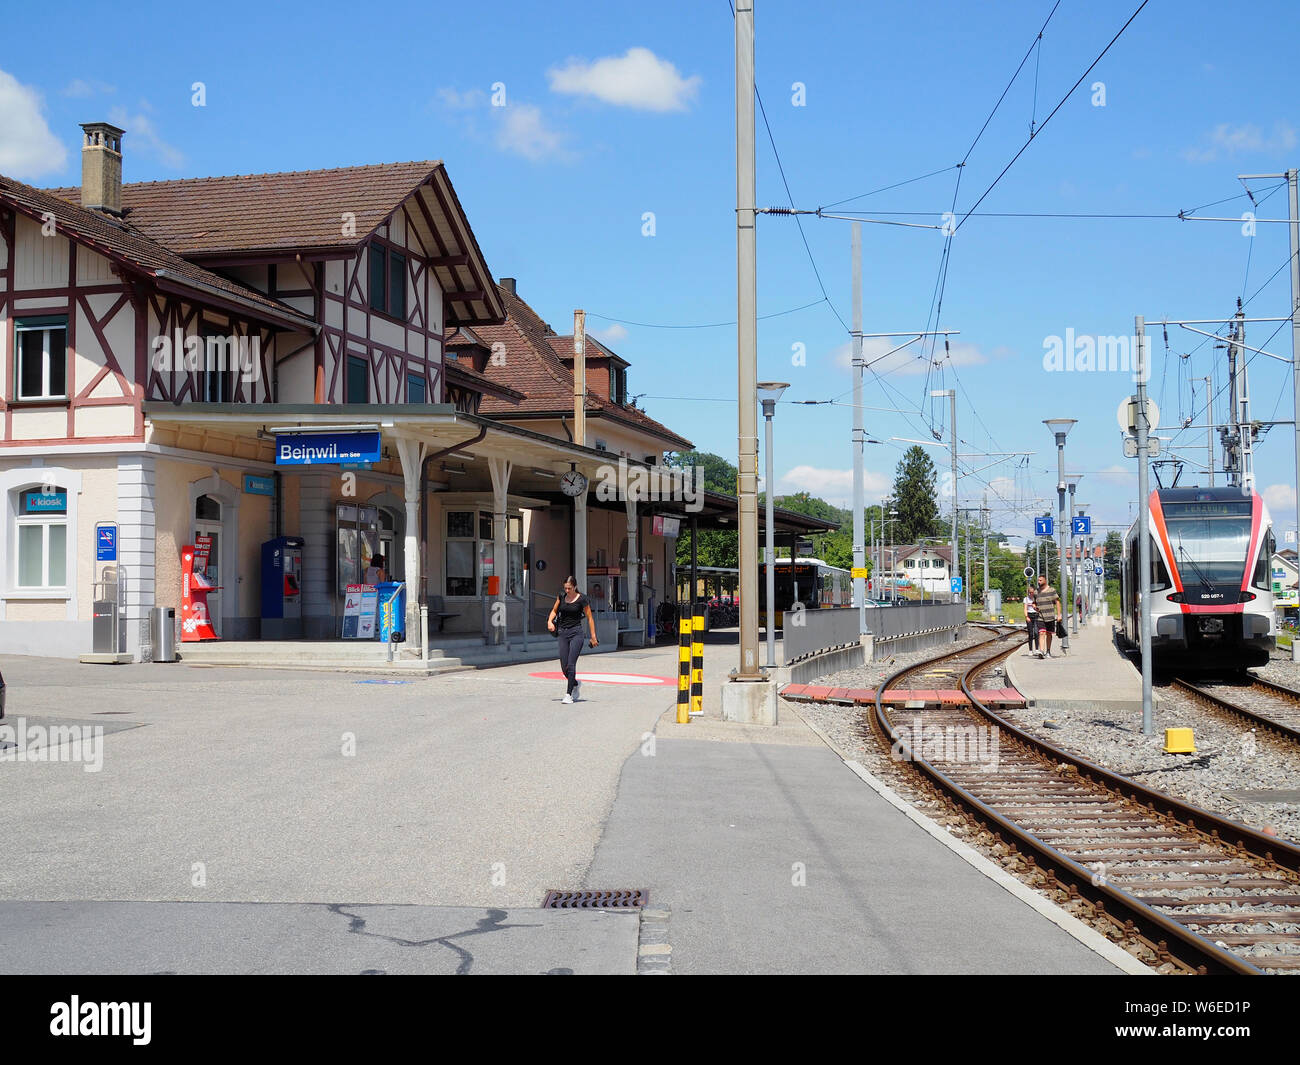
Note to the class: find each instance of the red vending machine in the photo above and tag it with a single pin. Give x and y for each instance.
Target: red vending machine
(195, 623)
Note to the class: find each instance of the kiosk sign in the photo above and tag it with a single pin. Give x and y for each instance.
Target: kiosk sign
(327, 449)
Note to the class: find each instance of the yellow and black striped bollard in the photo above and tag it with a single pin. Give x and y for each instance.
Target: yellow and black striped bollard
(697, 664)
(683, 669)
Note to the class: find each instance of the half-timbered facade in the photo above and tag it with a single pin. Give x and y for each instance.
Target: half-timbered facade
(156, 337)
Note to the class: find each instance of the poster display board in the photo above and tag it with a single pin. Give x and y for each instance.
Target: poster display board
(360, 605)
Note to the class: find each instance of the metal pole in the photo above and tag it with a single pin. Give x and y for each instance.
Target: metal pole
(1062, 530)
(1294, 227)
(952, 400)
(1209, 428)
(859, 494)
(984, 533)
(769, 407)
(1074, 572)
(1144, 536)
(746, 342)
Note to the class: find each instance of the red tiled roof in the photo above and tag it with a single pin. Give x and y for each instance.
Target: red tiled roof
(479, 382)
(121, 242)
(294, 209)
(532, 365)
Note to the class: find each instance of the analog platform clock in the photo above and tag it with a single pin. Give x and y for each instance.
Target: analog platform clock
(573, 483)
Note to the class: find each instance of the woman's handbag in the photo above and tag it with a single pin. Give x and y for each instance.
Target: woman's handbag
(1060, 628)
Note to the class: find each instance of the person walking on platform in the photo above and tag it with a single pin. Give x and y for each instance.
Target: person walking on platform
(1046, 601)
(1031, 619)
(566, 622)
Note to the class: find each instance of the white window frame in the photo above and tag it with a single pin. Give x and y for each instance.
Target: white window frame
(514, 547)
(33, 478)
(46, 328)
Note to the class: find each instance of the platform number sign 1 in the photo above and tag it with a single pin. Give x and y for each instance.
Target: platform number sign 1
(1043, 526)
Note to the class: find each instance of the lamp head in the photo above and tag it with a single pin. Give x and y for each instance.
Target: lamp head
(1061, 427)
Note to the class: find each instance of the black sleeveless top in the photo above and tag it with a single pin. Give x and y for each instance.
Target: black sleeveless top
(570, 615)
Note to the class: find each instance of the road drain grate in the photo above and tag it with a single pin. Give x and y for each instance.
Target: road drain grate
(595, 900)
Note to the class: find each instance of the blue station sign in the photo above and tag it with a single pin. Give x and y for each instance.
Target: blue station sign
(1081, 525)
(1043, 526)
(258, 486)
(325, 449)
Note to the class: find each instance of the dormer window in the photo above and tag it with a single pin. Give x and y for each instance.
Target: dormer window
(618, 385)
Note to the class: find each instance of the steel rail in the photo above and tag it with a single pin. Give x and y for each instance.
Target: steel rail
(1254, 717)
(1156, 929)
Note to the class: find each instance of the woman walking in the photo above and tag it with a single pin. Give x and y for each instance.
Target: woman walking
(566, 622)
(1031, 619)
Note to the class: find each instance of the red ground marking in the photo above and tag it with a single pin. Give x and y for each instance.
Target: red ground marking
(610, 678)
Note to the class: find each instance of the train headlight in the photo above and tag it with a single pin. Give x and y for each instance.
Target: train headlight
(1175, 597)
(1247, 597)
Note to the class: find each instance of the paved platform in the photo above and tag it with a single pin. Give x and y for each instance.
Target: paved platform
(774, 857)
(193, 938)
(1095, 675)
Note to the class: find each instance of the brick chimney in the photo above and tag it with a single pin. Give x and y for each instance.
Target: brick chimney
(101, 168)
(508, 283)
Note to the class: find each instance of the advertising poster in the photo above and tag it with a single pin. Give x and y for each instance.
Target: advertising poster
(360, 606)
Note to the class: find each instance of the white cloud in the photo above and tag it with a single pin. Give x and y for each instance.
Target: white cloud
(468, 100)
(911, 360)
(144, 133)
(611, 335)
(834, 486)
(638, 79)
(524, 131)
(79, 88)
(1280, 498)
(520, 129)
(1227, 140)
(27, 147)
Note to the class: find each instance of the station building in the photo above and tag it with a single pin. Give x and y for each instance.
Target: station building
(172, 351)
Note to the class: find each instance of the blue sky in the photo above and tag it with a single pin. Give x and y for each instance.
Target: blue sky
(558, 181)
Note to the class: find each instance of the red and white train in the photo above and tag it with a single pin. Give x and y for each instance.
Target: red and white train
(1211, 597)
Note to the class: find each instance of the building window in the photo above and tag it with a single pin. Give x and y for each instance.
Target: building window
(357, 386)
(387, 280)
(42, 538)
(618, 391)
(417, 388)
(42, 367)
(471, 559)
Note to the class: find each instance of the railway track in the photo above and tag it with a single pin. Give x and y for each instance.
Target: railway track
(1270, 707)
(1204, 893)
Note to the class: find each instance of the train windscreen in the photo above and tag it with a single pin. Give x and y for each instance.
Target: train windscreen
(1209, 540)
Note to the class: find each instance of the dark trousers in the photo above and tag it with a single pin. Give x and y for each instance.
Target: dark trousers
(570, 647)
(1031, 627)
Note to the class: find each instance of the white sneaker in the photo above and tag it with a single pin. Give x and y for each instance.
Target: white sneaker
(567, 698)
(577, 690)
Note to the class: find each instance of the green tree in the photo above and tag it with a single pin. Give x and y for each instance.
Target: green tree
(1114, 548)
(914, 496)
(717, 547)
(834, 548)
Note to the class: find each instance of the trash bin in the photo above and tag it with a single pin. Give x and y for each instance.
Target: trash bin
(162, 633)
(392, 611)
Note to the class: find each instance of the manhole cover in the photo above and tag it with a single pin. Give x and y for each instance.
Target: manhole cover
(595, 900)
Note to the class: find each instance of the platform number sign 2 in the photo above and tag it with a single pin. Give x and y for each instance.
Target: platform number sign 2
(1081, 526)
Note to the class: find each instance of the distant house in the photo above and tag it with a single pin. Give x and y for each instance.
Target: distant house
(927, 566)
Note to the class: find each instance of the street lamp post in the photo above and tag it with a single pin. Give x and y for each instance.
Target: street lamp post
(768, 393)
(1072, 480)
(1060, 428)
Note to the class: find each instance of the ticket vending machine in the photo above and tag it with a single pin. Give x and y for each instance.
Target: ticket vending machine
(282, 588)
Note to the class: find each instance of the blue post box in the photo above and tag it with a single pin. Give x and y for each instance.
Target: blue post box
(282, 588)
(392, 610)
